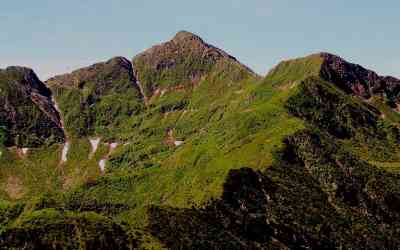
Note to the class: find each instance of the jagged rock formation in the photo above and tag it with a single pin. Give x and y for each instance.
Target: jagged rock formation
(355, 79)
(181, 62)
(97, 97)
(351, 78)
(27, 115)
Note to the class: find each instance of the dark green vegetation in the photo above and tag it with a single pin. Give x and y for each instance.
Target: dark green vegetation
(27, 117)
(65, 230)
(98, 100)
(211, 156)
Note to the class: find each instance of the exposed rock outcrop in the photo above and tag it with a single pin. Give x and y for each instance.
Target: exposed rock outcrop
(358, 80)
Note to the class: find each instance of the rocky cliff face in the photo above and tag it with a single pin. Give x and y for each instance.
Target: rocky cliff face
(182, 61)
(98, 96)
(26, 111)
(357, 80)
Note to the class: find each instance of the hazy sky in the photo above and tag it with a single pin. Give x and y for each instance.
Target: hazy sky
(57, 36)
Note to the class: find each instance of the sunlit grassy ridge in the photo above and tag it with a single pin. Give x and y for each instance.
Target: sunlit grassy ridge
(225, 160)
(293, 71)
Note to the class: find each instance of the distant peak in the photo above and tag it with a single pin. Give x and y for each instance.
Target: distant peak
(20, 69)
(120, 61)
(186, 36)
(327, 55)
(24, 72)
(27, 77)
(324, 53)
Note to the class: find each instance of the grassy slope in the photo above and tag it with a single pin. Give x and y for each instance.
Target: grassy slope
(98, 100)
(294, 71)
(229, 121)
(40, 170)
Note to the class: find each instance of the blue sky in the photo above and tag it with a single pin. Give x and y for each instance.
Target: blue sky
(55, 36)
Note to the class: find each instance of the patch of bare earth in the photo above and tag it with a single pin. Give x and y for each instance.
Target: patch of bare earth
(14, 187)
(68, 182)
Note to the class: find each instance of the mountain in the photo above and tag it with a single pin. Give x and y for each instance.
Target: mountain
(98, 98)
(27, 115)
(179, 63)
(187, 148)
(351, 78)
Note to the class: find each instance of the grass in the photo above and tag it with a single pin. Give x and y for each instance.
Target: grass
(294, 71)
(298, 136)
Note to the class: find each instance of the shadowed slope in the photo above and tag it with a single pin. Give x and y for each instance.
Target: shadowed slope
(27, 115)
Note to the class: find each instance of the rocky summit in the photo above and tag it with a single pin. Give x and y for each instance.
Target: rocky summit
(184, 147)
(27, 115)
(355, 79)
(178, 63)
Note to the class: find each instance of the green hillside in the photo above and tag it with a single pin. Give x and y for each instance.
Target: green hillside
(97, 100)
(201, 153)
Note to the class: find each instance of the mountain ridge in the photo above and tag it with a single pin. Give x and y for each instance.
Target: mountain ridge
(186, 148)
(186, 51)
(351, 78)
(21, 88)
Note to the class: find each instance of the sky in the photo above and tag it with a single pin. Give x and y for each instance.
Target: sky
(56, 36)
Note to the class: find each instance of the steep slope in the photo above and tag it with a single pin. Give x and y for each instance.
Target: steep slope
(179, 63)
(355, 79)
(27, 115)
(314, 196)
(319, 192)
(212, 157)
(97, 99)
(352, 78)
(363, 118)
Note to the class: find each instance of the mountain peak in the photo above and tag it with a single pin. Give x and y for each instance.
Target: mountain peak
(183, 35)
(101, 73)
(105, 89)
(19, 69)
(27, 77)
(351, 78)
(355, 79)
(182, 61)
(27, 109)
